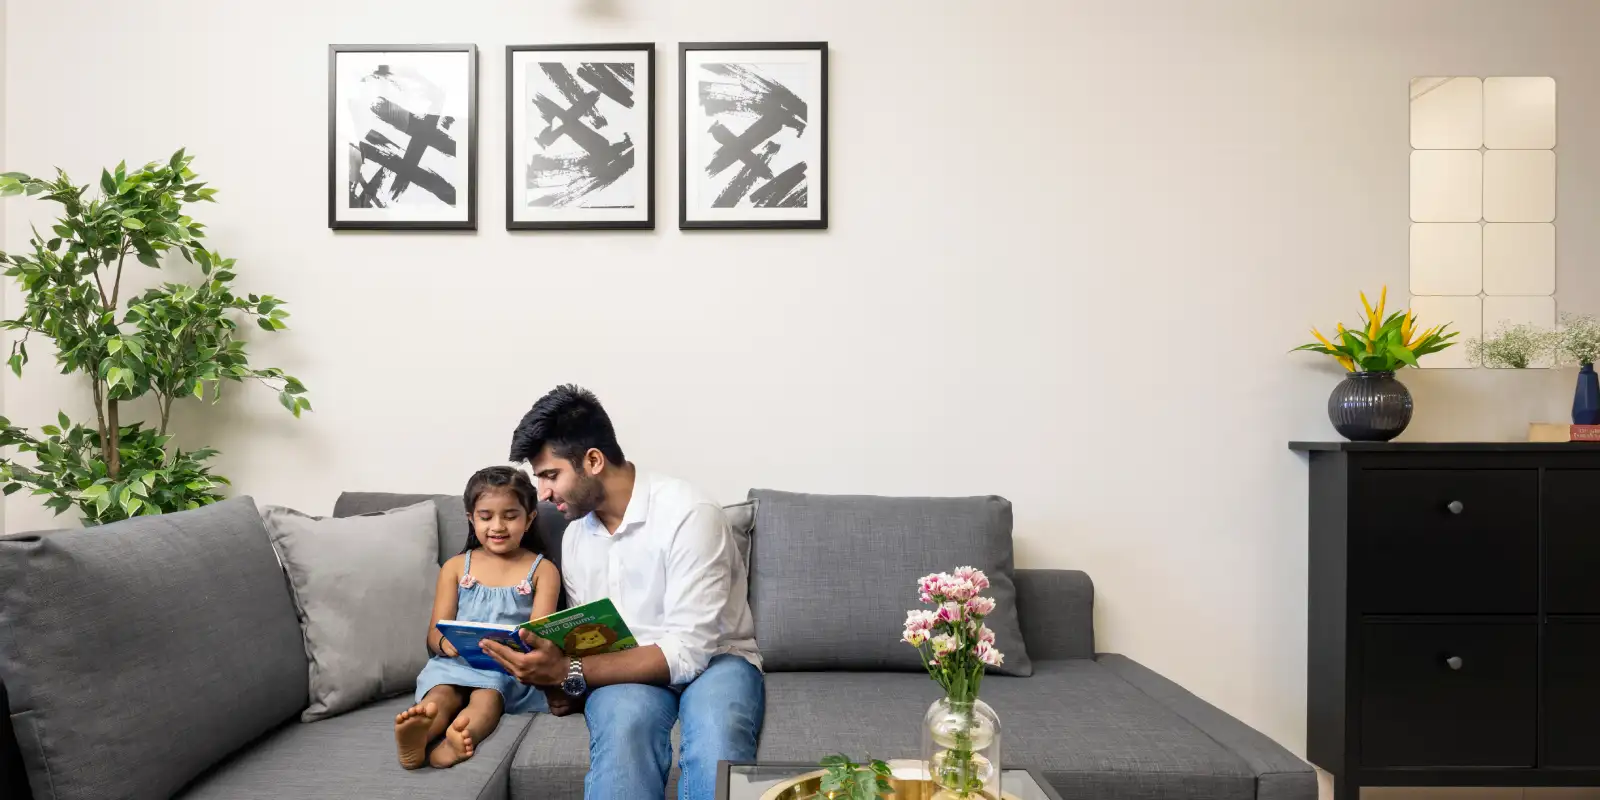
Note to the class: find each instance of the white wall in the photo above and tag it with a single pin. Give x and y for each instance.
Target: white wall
(1096, 331)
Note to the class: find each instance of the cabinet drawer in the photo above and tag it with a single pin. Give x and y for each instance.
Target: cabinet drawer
(1572, 694)
(1572, 540)
(1449, 695)
(1457, 541)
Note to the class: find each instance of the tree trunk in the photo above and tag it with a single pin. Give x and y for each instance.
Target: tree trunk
(112, 443)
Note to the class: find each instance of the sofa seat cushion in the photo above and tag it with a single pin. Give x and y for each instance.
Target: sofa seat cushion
(1107, 728)
(1091, 733)
(553, 759)
(353, 755)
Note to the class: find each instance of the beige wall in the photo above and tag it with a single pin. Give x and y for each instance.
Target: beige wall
(1071, 244)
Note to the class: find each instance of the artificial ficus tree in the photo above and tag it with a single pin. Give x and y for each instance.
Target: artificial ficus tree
(172, 342)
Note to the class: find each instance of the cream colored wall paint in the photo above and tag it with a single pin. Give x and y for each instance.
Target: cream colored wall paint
(1071, 244)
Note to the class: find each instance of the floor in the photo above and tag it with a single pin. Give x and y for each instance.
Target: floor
(1418, 793)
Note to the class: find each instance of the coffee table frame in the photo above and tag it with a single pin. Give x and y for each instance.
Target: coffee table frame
(725, 772)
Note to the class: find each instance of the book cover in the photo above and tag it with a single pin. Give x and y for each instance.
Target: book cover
(466, 635)
(585, 630)
(1562, 432)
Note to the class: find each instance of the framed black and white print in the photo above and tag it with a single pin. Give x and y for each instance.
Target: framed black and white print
(753, 135)
(402, 137)
(580, 136)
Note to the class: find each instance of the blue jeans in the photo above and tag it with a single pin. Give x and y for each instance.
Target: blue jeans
(630, 732)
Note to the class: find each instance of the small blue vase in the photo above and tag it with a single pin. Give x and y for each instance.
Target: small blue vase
(1586, 400)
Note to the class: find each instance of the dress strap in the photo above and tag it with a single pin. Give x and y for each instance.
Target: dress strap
(466, 569)
(534, 568)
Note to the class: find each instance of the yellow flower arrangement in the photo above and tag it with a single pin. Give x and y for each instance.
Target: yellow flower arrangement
(1381, 344)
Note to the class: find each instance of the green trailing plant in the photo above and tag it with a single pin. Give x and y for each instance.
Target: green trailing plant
(1512, 347)
(1578, 340)
(176, 341)
(843, 779)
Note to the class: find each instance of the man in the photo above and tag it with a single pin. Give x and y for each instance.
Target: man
(664, 554)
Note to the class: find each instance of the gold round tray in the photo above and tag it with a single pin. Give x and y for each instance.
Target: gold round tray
(805, 787)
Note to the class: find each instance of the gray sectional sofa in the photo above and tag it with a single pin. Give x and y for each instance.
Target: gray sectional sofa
(162, 657)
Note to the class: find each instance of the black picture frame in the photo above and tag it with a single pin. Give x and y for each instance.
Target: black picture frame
(514, 164)
(816, 190)
(337, 190)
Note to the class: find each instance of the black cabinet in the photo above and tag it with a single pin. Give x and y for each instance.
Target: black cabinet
(1454, 614)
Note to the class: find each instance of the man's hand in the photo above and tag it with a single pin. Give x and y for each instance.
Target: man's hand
(545, 666)
(562, 704)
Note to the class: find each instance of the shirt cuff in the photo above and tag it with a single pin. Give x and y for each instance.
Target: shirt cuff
(684, 663)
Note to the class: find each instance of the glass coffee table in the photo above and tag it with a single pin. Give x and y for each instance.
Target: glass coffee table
(745, 781)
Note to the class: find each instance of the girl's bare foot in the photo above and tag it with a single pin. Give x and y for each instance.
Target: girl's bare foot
(411, 734)
(456, 747)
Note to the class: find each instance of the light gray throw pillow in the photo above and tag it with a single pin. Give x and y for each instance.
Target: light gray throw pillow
(364, 589)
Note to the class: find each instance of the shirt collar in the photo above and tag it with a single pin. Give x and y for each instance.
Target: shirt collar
(638, 511)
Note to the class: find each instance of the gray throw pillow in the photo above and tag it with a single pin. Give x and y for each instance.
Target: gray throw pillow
(832, 576)
(364, 589)
(137, 654)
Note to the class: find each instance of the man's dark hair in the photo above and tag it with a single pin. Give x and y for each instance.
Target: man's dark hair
(570, 420)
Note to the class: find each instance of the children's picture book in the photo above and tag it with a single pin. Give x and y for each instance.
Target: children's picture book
(580, 631)
(466, 635)
(594, 627)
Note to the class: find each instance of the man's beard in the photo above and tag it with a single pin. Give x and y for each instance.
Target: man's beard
(585, 498)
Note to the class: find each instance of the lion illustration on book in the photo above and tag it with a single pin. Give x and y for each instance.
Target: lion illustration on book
(588, 639)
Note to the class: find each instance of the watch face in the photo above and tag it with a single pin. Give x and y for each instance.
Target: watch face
(573, 685)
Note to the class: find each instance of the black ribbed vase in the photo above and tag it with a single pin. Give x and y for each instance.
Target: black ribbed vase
(1370, 407)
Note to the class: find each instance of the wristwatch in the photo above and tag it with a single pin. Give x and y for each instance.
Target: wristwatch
(575, 685)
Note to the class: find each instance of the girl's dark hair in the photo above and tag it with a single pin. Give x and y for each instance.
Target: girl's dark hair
(502, 479)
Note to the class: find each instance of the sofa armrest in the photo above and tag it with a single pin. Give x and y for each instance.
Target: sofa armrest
(13, 775)
(1056, 611)
(1280, 775)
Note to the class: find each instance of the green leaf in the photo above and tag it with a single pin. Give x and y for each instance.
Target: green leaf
(264, 324)
(108, 184)
(199, 390)
(1402, 353)
(61, 417)
(114, 345)
(132, 224)
(16, 364)
(97, 490)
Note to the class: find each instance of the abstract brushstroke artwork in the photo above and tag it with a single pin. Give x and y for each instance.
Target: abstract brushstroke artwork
(753, 135)
(402, 124)
(580, 143)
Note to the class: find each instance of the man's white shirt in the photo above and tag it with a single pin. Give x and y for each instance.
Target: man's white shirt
(672, 570)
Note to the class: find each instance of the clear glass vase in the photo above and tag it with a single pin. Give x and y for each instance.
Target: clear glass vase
(961, 746)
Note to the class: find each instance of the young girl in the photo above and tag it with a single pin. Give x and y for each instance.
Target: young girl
(509, 582)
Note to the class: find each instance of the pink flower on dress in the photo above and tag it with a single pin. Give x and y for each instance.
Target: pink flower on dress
(467, 581)
(525, 588)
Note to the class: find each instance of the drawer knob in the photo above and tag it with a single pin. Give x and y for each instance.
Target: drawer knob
(1456, 507)
(1454, 662)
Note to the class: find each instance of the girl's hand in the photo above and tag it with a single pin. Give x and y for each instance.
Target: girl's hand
(447, 649)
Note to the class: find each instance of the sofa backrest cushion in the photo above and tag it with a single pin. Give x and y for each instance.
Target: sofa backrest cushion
(139, 653)
(832, 576)
(453, 523)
